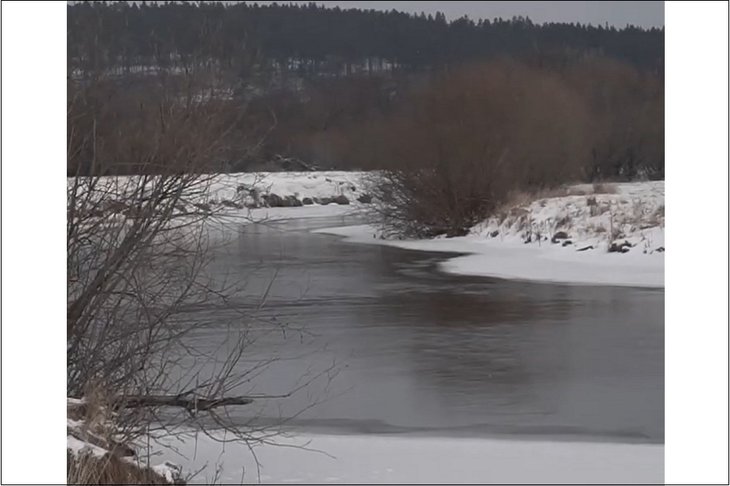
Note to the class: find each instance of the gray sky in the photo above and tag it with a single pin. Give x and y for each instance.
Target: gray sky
(645, 14)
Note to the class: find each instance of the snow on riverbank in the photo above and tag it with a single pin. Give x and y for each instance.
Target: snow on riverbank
(562, 239)
(416, 459)
(630, 219)
(613, 237)
(228, 194)
(315, 187)
(93, 455)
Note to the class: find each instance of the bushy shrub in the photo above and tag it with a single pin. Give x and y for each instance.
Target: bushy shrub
(461, 144)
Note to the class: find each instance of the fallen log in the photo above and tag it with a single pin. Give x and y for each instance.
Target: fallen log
(187, 402)
(78, 408)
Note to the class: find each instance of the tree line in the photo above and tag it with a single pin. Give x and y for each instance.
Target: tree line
(311, 39)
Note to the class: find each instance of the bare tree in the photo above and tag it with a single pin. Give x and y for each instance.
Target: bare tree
(142, 159)
(464, 141)
(627, 118)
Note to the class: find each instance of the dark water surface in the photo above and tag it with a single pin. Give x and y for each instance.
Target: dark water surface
(420, 351)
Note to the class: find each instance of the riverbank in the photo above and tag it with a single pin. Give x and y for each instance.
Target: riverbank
(608, 234)
(514, 260)
(582, 237)
(314, 458)
(93, 457)
(289, 189)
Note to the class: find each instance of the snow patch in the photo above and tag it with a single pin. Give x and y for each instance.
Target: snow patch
(78, 447)
(171, 472)
(324, 184)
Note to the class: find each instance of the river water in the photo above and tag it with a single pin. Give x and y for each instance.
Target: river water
(377, 340)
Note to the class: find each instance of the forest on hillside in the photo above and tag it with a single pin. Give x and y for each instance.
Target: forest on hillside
(312, 39)
(361, 89)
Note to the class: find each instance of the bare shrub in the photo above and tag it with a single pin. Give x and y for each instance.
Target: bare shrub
(472, 137)
(526, 197)
(626, 118)
(604, 188)
(657, 217)
(86, 468)
(130, 273)
(563, 221)
(138, 268)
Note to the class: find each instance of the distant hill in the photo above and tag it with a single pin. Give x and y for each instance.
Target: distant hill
(307, 40)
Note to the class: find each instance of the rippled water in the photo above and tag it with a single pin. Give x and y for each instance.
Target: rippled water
(419, 351)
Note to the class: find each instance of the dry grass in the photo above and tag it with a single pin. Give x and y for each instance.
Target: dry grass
(524, 198)
(604, 188)
(657, 217)
(96, 426)
(597, 228)
(598, 209)
(90, 469)
(563, 222)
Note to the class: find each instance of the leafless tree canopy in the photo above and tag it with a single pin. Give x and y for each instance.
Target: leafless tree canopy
(138, 255)
(463, 143)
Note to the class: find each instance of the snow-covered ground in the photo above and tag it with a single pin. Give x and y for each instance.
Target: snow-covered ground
(301, 185)
(520, 243)
(229, 194)
(632, 213)
(416, 459)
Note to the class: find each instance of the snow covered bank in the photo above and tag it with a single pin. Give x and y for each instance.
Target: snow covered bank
(229, 194)
(96, 458)
(581, 238)
(629, 219)
(256, 189)
(416, 459)
(614, 236)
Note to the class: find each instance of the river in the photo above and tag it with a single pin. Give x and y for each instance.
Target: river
(408, 349)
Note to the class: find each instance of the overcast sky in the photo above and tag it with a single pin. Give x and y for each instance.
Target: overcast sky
(645, 14)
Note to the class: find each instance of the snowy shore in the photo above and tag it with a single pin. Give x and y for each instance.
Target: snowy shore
(586, 235)
(289, 189)
(580, 238)
(611, 234)
(514, 260)
(415, 459)
(582, 234)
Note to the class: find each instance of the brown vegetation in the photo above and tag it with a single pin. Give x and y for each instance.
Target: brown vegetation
(462, 138)
(626, 122)
(85, 468)
(464, 144)
(474, 137)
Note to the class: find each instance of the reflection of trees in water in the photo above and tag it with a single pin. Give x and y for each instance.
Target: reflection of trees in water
(483, 349)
